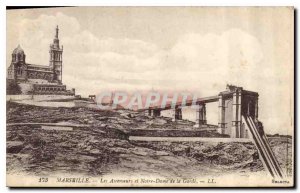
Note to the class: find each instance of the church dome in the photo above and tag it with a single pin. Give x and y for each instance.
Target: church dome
(18, 50)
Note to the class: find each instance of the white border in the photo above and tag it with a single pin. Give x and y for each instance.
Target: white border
(5, 3)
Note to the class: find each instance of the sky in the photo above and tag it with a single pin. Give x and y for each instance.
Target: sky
(191, 49)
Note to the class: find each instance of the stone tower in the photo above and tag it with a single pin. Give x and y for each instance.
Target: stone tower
(18, 65)
(56, 58)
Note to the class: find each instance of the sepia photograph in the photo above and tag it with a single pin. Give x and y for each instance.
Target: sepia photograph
(150, 97)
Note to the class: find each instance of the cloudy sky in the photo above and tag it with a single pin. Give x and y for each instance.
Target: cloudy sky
(198, 50)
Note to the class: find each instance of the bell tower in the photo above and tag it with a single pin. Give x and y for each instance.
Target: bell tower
(56, 58)
(18, 68)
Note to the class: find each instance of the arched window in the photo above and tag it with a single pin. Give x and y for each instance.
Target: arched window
(18, 70)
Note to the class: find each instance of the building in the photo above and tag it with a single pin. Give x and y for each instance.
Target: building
(39, 79)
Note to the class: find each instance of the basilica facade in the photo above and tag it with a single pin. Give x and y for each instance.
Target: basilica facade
(39, 79)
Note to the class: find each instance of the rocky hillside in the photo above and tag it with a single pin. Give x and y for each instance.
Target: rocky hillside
(103, 147)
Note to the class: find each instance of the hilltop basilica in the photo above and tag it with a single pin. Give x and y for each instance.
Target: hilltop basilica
(39, 79)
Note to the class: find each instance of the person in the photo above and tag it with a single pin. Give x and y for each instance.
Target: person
(260, 128)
